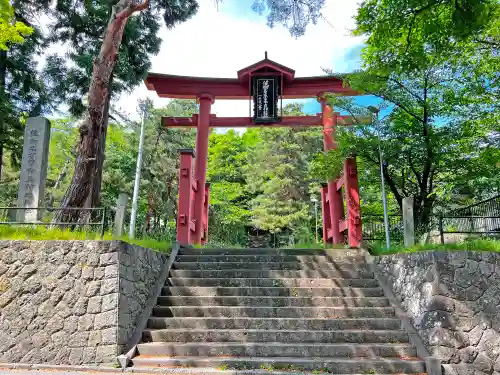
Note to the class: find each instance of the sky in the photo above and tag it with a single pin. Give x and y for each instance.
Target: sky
(220, 40)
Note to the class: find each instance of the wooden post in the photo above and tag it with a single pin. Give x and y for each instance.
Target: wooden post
(354, 230)
(185, 197)
(200, 169)
(325, 209)
(205, 213)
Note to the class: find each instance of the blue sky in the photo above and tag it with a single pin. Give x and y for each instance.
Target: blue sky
(219, 42)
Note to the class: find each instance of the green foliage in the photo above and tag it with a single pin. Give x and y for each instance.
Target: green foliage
(81, 26)
(294, 15)
(11, 31)
(23, 91)
(40, 233)
(473, 245)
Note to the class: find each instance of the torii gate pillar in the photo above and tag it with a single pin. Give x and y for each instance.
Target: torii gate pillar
(335, 201)
(200, 166)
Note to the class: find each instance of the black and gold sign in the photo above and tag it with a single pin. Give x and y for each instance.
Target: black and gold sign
(266, 91)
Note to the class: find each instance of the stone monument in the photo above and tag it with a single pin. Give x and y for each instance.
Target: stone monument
(33, 168)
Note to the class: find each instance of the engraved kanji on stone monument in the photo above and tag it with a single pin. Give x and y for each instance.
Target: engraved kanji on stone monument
(33, 168)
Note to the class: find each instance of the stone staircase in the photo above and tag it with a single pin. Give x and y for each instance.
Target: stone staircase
(275, 310)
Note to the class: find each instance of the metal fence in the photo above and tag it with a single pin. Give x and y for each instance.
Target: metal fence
(481, 219)
(487, 226)
(96, 220)
(374, 229)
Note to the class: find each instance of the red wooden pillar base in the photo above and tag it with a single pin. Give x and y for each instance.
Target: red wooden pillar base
(354, 228)
(185, 225)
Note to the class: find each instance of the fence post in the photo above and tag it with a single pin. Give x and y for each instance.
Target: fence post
(441, 230)
(408, 222)
(121, 209)
(103, 222)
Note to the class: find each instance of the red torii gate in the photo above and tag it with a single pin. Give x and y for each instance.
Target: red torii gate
(265, 81)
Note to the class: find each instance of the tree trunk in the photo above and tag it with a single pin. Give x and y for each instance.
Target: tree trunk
(92, 131)
(3, 68)
(149, 213)
(94, 198)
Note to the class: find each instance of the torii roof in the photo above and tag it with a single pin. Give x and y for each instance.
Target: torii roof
(186, 87)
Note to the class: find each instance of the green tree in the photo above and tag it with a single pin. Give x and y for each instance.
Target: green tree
(295, 15)
(419, 59)
(229, 199)
(23, 92)
(86, 182)
(11, 31)
(277, 176)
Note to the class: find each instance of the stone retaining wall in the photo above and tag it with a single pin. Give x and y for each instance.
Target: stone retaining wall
(72, 302)
(453, 300)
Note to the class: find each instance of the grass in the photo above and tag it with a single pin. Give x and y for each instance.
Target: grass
(476, 245)
(39, 233)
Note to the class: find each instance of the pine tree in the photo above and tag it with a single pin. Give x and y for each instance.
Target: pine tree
(106, 68)
(23, 92)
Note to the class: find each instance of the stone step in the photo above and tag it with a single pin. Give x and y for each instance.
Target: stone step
(332, 365)
(251, 335)
(272, 291)
(268, 258)
(255, 274)
(273, 301)
(273, 312)
(337, 253)
(274, 349)
(344, 267)
(274, 282)
(275, 323)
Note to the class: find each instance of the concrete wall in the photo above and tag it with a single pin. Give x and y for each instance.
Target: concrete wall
(453, 300)
(72, 302)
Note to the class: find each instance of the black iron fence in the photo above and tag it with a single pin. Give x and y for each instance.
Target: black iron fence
(97, 220)
(482, 219)
(374, 228)
(487, 226)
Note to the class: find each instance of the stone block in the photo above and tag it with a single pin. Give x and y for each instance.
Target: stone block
(111, 272)
(85, 323)
(94, 338)
(94, 305)
(78, 340)
(483, 363)
(108, 259)
(76, 356)
(40, 339)
(87, 273)
(93, 259)
(105, 320)
(98, 273)
(109, 336)
(106, 354)
(80, 307)
(109, 302)
(61, 271)
(475, 335)
(93, 288)
(490, 344)
(54, 324)
(71, 324)
(60, 338)
(109, 286)
(467, 355)
(89, 355)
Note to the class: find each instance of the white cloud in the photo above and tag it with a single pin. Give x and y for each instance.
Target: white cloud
(215, 44)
